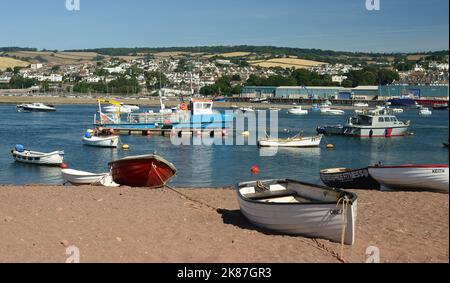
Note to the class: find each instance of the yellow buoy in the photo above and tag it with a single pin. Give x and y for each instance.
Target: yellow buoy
(246, 133)
(330, 146)
(125, 147)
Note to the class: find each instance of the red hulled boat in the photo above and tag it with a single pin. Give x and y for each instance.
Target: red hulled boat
(151, 171)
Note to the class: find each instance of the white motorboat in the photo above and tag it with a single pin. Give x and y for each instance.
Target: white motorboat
(101, 141)
(423, 111)
(36, 107)
(247, 109)
(125, 109)
(20, 154)
(297, 208)
(330, 111)
(412, 177)
(297, 141)
(297, 110)
(79, 178)
(361, 104)
(397, 110)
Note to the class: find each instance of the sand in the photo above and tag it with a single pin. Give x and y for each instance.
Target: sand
(38, 223)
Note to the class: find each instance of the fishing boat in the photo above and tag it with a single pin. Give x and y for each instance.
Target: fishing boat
(297, 110)
(80, 178)
(297, 208)
(346, 178)
(297, 141)
(36, 107)
(20, 154)
(432, 177)
(151, 171)
(330, 111)
(91, 139)
(424, 111)
(369, 126)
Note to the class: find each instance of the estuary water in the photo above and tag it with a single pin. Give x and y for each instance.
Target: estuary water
(212, 166)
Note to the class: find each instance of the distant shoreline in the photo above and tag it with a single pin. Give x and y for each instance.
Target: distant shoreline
(141, 102)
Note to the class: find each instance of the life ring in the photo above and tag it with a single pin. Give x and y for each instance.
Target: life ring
(184, 107)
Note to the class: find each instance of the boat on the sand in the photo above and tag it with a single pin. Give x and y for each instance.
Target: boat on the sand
(20, 154)
(80, 178)
(297, 208)
(150, 171)
(346, 178)
(420, 177)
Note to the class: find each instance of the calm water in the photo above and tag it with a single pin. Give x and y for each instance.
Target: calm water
(205, 166)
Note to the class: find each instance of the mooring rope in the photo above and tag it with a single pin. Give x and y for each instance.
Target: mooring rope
(345, 202)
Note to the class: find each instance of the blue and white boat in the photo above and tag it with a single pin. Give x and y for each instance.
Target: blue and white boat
(196, 115)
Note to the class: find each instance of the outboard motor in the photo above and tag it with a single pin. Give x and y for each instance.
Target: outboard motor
(19, 148)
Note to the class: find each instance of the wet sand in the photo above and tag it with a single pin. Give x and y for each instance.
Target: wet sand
(37, 223)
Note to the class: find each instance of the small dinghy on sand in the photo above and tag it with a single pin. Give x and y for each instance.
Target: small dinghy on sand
(297, 208)
(80, 178)
(419, 177)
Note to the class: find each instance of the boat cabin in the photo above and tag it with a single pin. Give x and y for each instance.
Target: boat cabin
(369, 120)
(201, 107)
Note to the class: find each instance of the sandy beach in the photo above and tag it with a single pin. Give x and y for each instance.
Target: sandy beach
(38, 223)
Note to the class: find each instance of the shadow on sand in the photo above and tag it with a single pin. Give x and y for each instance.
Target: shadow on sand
(237, 219)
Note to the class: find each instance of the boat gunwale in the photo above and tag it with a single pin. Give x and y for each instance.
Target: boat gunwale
(352, 200)
(148, 156)
(406, 166)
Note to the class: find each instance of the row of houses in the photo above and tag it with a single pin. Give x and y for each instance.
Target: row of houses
(357, 93)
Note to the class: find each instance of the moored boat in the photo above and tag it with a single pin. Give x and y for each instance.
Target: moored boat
(297, 208)
(440, 106)
(79, 178)
(345, 178)
(20, 154)
(36, 107)
(432, 177)
(424, 111)
(91, 139)
(297, 141)
(151, 171)
(330, 111)
(297, 110)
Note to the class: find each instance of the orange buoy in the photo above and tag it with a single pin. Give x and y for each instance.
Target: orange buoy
(330, 146)
(254, 170)
(64, 166)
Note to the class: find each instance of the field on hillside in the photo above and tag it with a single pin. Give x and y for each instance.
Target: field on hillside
(416, 57)
(52, 58)
(173, 54)
(6, 62)
(286, 63)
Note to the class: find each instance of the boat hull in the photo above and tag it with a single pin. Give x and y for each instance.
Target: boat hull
(108, 142)
(303, 142)
(343, 178)
(376, 132)
(142, 171)
(412, 177)
(313, 219)
(49, 159)
(81, 178)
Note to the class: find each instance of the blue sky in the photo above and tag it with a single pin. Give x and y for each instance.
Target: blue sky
(400, 25)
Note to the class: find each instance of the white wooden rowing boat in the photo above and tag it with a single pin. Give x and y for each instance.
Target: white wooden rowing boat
(39, 158)
(412, 177)
(297, 208)
(79, 178)
(296, 141)
(99, 141)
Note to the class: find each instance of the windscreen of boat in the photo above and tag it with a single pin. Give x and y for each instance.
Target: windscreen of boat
(364, 120)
